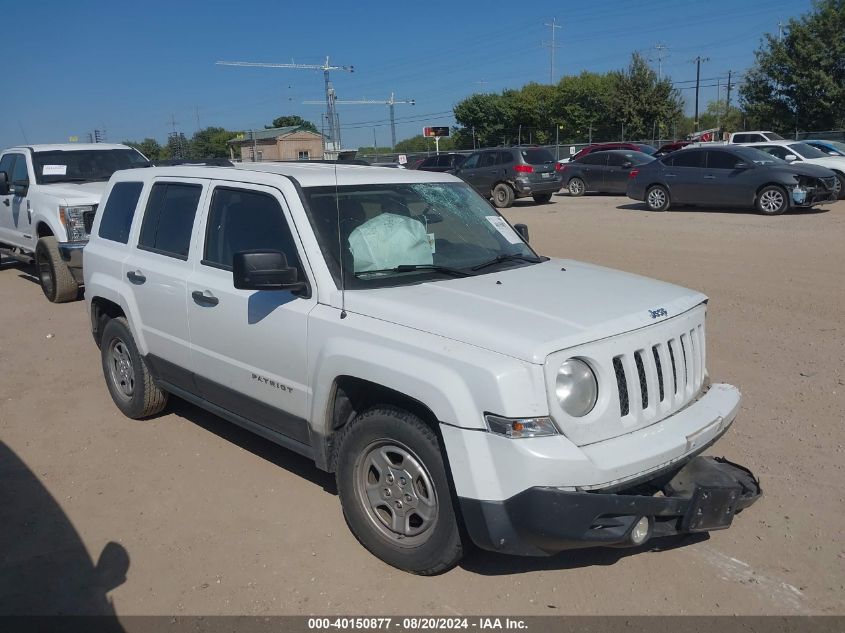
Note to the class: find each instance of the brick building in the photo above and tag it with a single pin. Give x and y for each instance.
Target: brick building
(278, 143)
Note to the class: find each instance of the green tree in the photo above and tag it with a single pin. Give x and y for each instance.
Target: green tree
(715, 115)
(149, 147)
(641, 101)
(210, 142)
(293, 120)
(798, 82)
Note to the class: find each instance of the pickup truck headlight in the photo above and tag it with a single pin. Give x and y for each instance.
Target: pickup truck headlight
(73, 221)
(576, 387)
(519, 427)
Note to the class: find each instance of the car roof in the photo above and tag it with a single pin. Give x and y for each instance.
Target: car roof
(67, 147)
(308, 175)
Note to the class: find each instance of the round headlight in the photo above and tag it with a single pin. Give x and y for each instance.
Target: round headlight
(576, 387)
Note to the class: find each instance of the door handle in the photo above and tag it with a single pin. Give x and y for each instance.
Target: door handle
(671, 175)
(136, 277)
(204, 299)
(710, 178)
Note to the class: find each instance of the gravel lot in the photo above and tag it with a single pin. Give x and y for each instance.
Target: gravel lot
(217, 521)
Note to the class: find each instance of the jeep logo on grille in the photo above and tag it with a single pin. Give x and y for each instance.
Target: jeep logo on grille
(658, 313)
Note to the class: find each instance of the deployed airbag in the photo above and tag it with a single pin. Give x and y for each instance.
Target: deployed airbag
(388, 240)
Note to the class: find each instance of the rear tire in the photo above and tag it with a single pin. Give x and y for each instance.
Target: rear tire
(657, 198)
(576, 187)
(57, 284)
(542, 198)
(394, 491)
(127, 376)
(503, 196)
(772, 200)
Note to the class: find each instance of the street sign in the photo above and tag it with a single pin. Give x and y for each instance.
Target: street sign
(403, 159)
(435, 132)
(572, 151)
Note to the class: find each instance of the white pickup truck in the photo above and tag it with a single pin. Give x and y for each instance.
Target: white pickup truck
(393, 327)
(48, 197)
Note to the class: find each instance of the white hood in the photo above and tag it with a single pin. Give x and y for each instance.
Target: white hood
(75, 193)
(530, 311)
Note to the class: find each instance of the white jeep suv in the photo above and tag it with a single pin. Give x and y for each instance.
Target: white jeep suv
(393, 327)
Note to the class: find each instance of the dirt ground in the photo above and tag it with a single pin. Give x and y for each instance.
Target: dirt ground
(217, 521)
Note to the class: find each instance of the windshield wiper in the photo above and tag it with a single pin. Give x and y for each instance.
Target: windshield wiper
(507, 258)
(407, 268)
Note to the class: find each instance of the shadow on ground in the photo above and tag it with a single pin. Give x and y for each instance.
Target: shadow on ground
(640, 206)
(45, 569)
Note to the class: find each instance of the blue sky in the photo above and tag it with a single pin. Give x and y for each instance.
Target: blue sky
(129, 67)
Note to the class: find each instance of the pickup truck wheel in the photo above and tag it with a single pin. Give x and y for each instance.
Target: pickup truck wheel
(394, 491)
(503, 196)
(56, 281)
(772, 200)
(127, 376)
(542, 198)
(576, 187)
(657, 198)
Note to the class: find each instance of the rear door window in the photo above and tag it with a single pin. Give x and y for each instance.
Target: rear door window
(594, 158)
(169, 218)
(490, 159)
(119, 211)
(775, 150)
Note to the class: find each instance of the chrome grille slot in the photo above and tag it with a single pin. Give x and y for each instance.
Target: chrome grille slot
(671, 345)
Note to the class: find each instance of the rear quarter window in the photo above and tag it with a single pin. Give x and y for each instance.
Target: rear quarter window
(537, 156)
(119, 211)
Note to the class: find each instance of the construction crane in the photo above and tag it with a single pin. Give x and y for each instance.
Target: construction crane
(333, 142)
(390, 102)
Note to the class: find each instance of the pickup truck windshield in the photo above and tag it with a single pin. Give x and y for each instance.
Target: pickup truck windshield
(394, 234)
(84, 165)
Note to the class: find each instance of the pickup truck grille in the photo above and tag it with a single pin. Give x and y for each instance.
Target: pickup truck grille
(88, 219)
(662, 378)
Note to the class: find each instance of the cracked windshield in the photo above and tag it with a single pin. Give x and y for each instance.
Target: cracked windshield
(392, 234)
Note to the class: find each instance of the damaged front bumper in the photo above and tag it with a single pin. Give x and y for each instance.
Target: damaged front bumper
(702, 495)
(812, 191)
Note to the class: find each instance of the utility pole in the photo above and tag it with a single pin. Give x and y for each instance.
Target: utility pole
(333, 143)
(728, 96)
(660, 48)
(482, 83)
(391, 102)
(698, 61)
(197, 112)
(552, 46)
(780, 30)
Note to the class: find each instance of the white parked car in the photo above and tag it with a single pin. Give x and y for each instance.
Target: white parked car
(393, 327)
(800, 152)
(48, 197)
(754, 137)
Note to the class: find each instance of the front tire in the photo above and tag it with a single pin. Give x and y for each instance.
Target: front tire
(657, 198)
(57, 284)
(394, 491)
(127, 376)
(503, 196)
(840, 178)
(772, 200)
(542, 198)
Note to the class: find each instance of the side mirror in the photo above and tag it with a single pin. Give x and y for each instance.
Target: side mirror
(522, 230)
(790, 158)
(4, 184)
(21, 187)
(264, 270)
